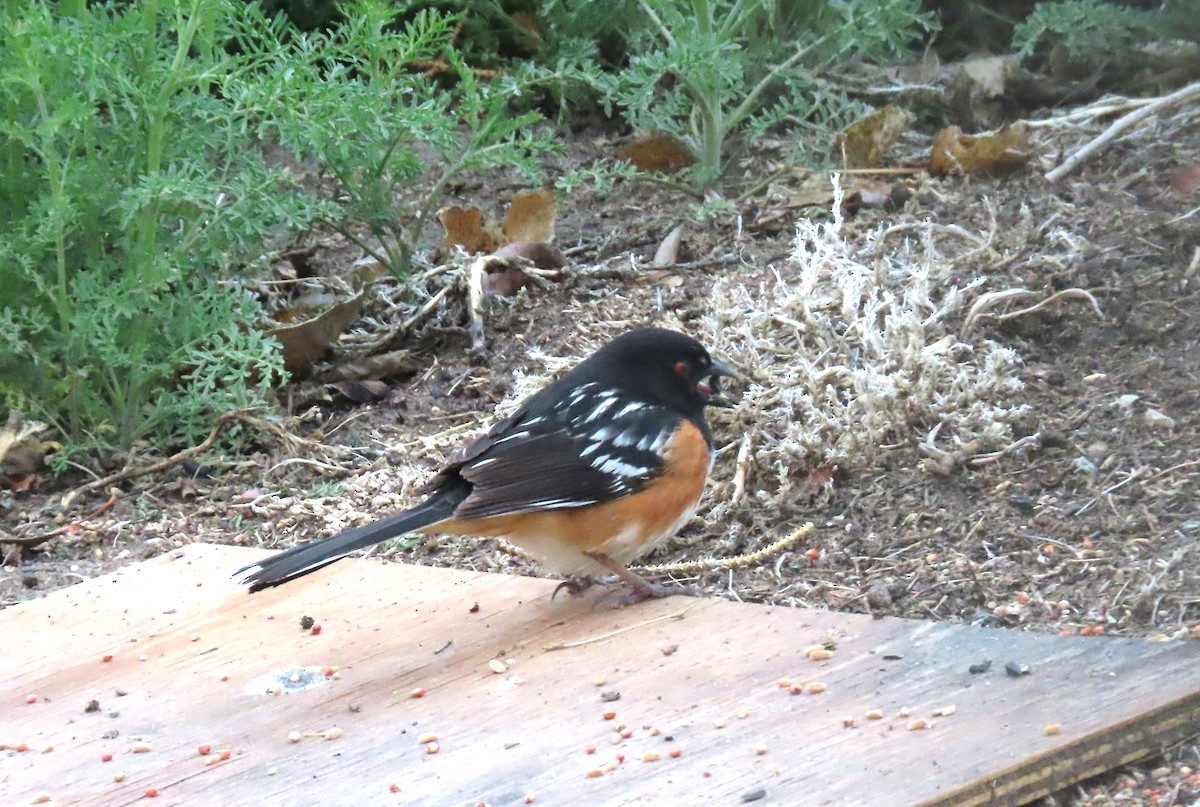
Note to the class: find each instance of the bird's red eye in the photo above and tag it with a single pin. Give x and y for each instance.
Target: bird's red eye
(681, 369)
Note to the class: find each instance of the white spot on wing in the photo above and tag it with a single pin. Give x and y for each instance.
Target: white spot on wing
(618, 467)
(605, 404)
(513, 436)
(482, 463)
(653, 442)
(628, 409)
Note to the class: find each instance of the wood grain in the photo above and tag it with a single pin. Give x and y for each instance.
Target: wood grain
(702, 672)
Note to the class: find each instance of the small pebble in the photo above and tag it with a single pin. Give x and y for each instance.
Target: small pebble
(272, 771)
(119, 777)
(295, 737)
(755, 795)
(143, 656)
(432, 748)
(497, 666)
(1052, 730)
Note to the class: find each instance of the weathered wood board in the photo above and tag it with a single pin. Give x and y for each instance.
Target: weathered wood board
(707, 680)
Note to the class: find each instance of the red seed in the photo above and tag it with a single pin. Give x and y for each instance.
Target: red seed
(620, 757)
(706, 774)
(225, 754)
(591, 749)
(419, 692)
(607, 715)
(205, 749)
(676, 752)
(106, 657)
(31, 698)
(106, 757)
(393, 787)
(626, 733)
(315, 629)
(21, 747)
(151, 792)
(328, 671)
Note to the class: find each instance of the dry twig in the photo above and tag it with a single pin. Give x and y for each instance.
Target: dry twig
(1119, 126)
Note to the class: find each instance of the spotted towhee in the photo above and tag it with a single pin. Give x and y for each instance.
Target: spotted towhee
(586, 475)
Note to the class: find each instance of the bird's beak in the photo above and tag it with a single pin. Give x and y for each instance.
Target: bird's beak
(710, 387)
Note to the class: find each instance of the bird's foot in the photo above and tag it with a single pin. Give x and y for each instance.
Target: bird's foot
(575, 585)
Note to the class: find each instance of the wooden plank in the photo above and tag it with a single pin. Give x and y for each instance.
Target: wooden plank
(703, 672)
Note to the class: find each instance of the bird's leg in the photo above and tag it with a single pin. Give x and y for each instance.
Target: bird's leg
(643, 589)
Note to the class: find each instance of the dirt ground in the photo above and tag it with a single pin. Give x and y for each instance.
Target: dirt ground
(1088, 522)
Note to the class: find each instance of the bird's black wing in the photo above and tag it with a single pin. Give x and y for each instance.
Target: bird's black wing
(591, 444)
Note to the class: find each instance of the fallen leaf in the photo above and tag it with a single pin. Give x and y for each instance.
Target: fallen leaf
(818, 481)
(305, 342)
(864, 142)
(464, 228)
(530, 217)
(957, 153)
(22, 483)
(989, 73)
(657, 153)
(668, 251)
(393, 364)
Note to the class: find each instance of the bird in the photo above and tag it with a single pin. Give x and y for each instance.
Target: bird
(587, 474)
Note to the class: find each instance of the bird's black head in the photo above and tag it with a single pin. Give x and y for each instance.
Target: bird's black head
(669, 366)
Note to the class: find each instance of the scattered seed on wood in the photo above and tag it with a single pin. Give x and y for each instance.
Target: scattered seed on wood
(591, 749)
(944, 711)
(595, 773)
(306, 622)
(651, 756)
(620, 757)
(670, 649)
(333, 733)
(1016, 670)
(905, 712)
(626, 733)
(609, 715)
(530, 798)
(224, 754)
(143, 656)
(427, 737)
(294, 678)
(31, 698)
(600, 679)
(980, 667)
(817, 687)
(784, 683)
(272, 771)
(106, 757)
(277, 689)
(295, 737)
(212, 759)
(195, 637)
(315, 630)
(47, 749)
(796, 689)
(432, 748)
(706, 774)
(497, 666)
(654, 732)
(875, 714)
(119, 777)
(151, 792)
(106, 657)
(394, 788)
(419, 692)
(139, 748)
(41, 798)
(743, 714)
(205, 749)
(760, 749)
(1052, 730)
(720, 724)
(847, 722)
(918, 724)
(615, 738)
(757, 794)
(676, 753)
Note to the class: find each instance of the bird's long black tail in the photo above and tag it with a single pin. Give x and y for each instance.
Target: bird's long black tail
(301, 560)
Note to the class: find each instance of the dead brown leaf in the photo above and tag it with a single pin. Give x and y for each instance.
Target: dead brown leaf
(530, 217)
(305, 342)
(864, 142)
(661, 153)
(464, 228)
(363, 392)
(541, 255)
(956, 153)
